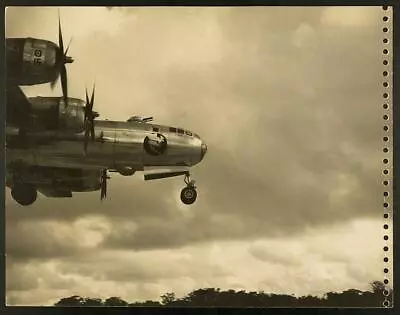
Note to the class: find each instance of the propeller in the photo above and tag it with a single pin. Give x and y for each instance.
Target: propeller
(90, 115)
(61, 60)
(103, 184)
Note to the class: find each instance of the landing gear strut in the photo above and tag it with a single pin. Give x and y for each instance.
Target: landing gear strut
(189, 193)
(24, 194)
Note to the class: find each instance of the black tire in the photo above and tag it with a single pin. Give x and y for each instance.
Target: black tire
(126, 172)
(188, 195)
(24, 194)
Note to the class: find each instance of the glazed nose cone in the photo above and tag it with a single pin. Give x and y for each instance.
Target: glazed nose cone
(203, 149)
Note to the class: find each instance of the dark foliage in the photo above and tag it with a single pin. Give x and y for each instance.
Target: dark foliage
(231, 298)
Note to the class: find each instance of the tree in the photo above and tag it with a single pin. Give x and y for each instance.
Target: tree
(377, 286)
(93, 302)
(216, 297)
(74, 300)
(115, 301)
(147, 303)
(168, 298)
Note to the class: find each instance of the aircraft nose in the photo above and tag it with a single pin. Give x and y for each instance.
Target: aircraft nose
(203, 149)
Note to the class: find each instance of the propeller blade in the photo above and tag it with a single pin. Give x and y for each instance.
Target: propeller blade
(92, 98)
(53, 83)
(62, 60)
(103, 194)
(87, 104)
(89, 118)
(105, 188)
(66, 51)
(85, 144)
(104, 177)
(64, 84)
(60, 38)
(87, 96)
(92, 129)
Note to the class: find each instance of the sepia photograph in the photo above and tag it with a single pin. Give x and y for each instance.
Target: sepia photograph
(199, 156)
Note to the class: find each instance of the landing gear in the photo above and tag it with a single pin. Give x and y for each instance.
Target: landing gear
(24, 194)
(126, 171)
(189, 193)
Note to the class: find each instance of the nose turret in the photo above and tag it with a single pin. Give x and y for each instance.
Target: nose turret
(203, 149)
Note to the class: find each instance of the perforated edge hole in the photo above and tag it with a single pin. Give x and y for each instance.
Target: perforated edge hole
(386, 30)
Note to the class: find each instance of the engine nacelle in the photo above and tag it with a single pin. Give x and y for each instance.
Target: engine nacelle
(155, 144)
(76, 180)
(60, 179)
(50, 113)
(31, 61)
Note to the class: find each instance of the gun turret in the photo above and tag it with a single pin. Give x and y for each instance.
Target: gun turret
(140, 119)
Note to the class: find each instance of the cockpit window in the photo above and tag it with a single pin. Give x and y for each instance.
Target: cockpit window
(188, 132)
(196, 135)
(172, 129)
(180, 131)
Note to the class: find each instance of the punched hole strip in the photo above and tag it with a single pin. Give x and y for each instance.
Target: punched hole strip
(387, 160)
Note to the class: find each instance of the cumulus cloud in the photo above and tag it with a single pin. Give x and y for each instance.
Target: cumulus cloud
(310, 264)
(80, 24)
(290, 110)
(351, 16)
(54, 238)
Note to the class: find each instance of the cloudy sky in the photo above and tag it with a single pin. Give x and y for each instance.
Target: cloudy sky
(290, 195)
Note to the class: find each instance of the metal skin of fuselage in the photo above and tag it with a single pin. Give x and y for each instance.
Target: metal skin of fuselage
(117, 144)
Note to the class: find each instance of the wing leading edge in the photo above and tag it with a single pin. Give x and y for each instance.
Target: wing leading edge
(18, 107)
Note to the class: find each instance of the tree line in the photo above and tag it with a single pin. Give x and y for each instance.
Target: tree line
(231, 298)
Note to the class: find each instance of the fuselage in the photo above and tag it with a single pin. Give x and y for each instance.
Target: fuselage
(117, 144)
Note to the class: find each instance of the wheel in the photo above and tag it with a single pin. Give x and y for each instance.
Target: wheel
(126, 171)
(188, 195)
(24, 194)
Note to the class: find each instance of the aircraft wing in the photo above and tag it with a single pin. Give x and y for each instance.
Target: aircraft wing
(18, 106)
(54, 182)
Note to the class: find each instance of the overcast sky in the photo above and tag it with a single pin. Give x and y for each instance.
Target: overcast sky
(290, 195)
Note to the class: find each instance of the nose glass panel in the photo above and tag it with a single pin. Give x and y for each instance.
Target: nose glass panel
(203, 149)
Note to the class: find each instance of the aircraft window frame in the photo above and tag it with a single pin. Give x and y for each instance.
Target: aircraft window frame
(187, 132)
(180, 131)
(172, 129)
(156, 129)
